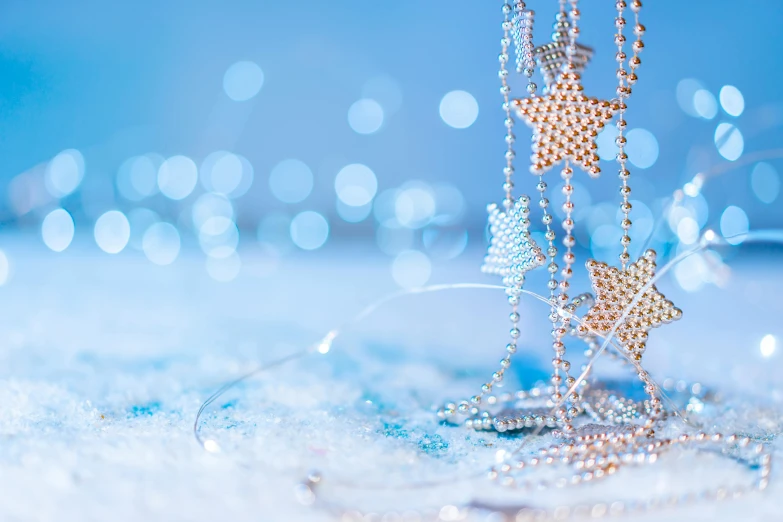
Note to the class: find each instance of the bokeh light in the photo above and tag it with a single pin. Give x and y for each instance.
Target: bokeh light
(691, 213)
(243, 80)
(765, 182)
(112, 232)
(226, 173)
(291, 181)
(352, 214)
(211, 205)
(449, 204)
(605, 239)
(386, 91)
(731, 100)
(64, 173)
(275, 229)
(697, 270)
(5, 268)
(177, 177)
(459, 109)
(384, 207)
(686, 89)
(309, 230)
(607, 148)
(218, 236)
(247, 178)
(688, 230)
(642, 148)
(57, 229)
(365, 116)
(704, 104)
(768, 345)
(600, 214)
(140, 219)
(356, 185)
(729, 141)
(392, 240)
(137, 177)
(734, 225)
(444, 243)
(161, 243)
(414, 206)
(697, 207)
(692, 272)
(411, 269)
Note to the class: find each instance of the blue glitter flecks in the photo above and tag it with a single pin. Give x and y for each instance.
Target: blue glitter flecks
(433, 444)
(144, 410)
(395, 430)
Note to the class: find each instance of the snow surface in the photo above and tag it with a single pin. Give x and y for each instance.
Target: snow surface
(104, 361)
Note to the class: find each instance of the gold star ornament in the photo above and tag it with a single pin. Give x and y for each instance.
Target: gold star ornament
(615, 289)
(565, 125)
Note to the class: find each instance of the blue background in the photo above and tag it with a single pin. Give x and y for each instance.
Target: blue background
(122, 79)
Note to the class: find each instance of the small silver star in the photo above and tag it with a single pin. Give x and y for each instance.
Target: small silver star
(512, 251)
(551, 57)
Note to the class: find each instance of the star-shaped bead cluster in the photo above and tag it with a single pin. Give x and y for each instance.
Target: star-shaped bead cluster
(551, 57)
(614, 290)
(565, 125)
(512, 251)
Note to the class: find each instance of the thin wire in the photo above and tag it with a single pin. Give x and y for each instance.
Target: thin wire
(236, 382)
(708, 238)
(326, 342)
(716, 170)
(324, 346)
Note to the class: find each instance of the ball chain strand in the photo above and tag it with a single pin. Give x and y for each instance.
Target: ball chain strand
(520, 12)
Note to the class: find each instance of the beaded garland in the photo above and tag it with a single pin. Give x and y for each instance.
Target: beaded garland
(614, 292)
(565, 125)
(512, 251)
(597, 430)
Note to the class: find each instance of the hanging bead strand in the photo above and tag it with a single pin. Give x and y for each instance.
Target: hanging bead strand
(472, 405)
(568, 409)
(623, 92)
(508, 186)
(630, 80)
(523, 41)
(514, 289)
(550, 235)
(503, 58)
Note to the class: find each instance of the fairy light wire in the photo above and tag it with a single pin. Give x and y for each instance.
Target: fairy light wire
(232, 384)
(677, 197)
(709, 238)
(325, 344)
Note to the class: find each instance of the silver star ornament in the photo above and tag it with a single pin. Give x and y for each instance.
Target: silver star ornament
(512, 252)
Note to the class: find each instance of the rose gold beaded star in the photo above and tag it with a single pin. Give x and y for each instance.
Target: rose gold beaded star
(614, 290)
(565, 125)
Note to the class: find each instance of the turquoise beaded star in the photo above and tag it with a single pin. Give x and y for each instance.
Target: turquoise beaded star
(512, 252)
